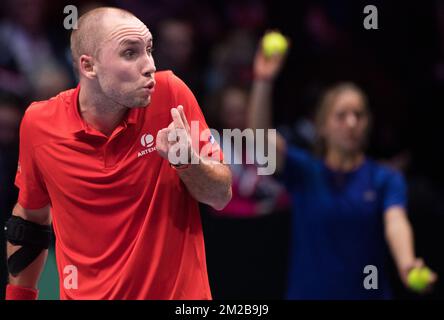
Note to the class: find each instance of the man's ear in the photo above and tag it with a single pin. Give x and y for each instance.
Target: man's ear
(86, 66)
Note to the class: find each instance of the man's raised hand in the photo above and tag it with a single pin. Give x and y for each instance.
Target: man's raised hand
(174, 142)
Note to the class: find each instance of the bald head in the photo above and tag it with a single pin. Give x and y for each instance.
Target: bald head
(112, 53)
(91, 31)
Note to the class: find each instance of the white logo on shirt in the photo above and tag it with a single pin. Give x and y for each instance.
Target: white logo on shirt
(146, 140)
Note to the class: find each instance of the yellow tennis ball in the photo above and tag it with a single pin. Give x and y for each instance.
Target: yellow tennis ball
(274, 43)
(419, 278)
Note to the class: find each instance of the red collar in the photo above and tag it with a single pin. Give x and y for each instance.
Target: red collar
(78, 124)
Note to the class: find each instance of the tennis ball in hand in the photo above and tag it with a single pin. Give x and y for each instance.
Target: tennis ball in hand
(274, 43)
(419, 278)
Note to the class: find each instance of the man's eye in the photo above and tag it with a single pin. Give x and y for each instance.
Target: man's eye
(129, 53)
(149, 50)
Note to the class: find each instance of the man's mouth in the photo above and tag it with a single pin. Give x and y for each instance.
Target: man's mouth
(150, 86)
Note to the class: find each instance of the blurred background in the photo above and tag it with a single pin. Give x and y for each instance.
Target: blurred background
(211, 45)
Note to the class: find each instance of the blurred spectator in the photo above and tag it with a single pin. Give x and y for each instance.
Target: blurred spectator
(231, 61)
(175, 50)
(10, 114)
(28, 66)
(156, 12)
(253, 195)
(247, 240)
(249, 15)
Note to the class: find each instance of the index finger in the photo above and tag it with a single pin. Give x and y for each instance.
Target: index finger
(177, 120)
(183, 117)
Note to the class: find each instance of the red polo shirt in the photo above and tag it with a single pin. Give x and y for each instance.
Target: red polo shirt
(126, 226)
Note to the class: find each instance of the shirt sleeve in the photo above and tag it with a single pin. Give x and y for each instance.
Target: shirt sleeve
(395, 191)
(205, 142)
(32, 189)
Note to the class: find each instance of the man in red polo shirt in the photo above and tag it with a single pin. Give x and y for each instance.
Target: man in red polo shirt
(94, 161)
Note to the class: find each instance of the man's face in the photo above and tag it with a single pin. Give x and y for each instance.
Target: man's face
(125, 65)
(347, 123)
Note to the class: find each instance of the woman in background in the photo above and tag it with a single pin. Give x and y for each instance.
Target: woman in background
(347, 209)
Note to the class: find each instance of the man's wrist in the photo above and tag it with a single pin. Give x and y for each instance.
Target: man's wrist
(180, 167)
(193, 159)
(14, 292)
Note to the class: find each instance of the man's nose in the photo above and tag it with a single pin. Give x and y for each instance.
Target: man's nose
(351, 120)
(148, 67)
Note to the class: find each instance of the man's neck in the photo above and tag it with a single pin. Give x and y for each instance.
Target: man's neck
(99, 113)
(344, 162)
